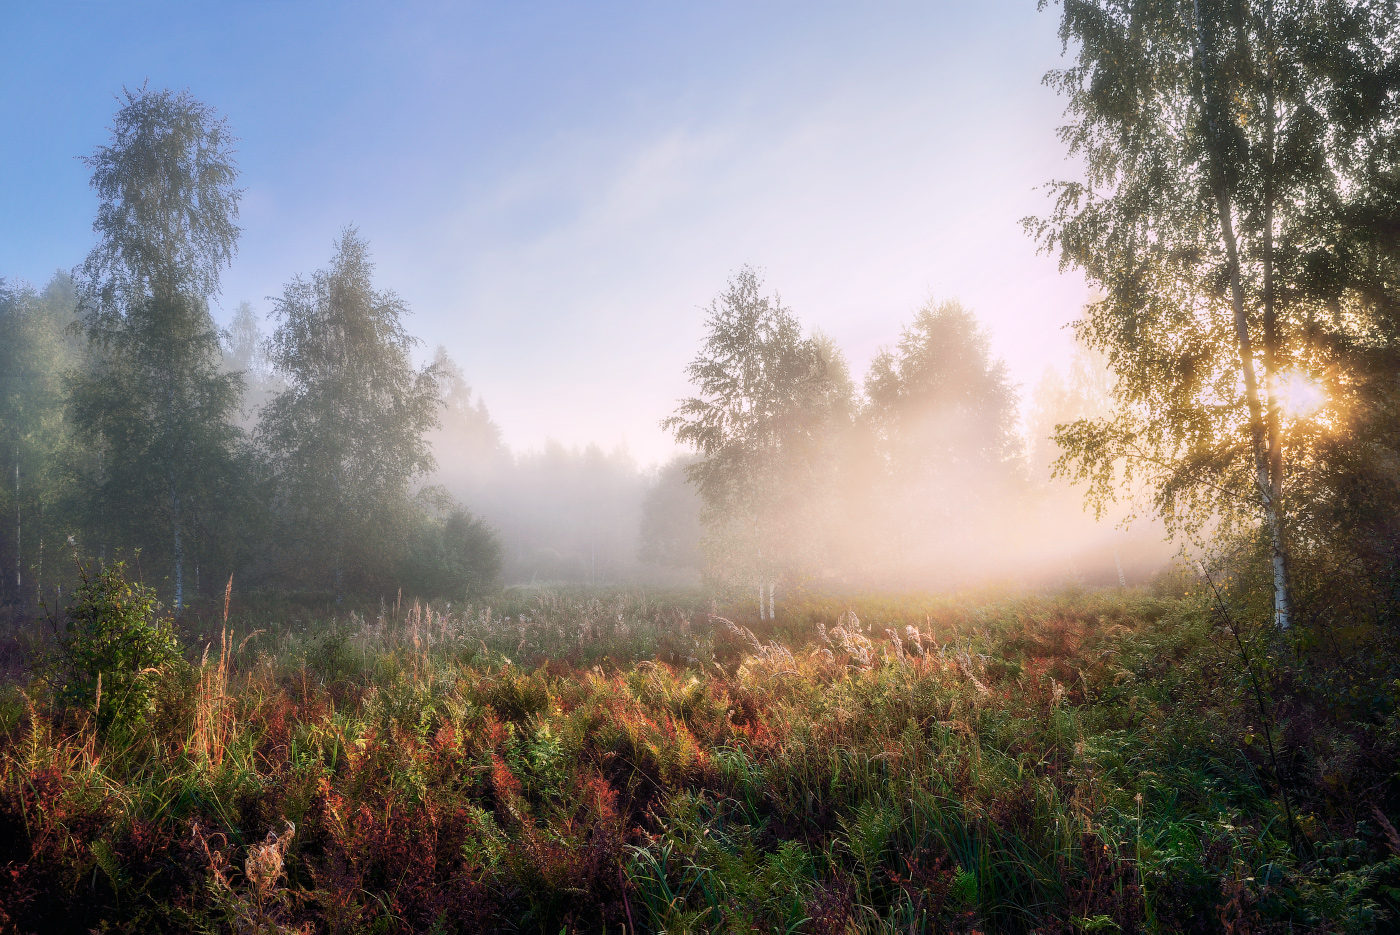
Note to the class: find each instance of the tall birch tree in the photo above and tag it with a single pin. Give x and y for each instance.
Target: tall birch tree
(759, 421)
(152, 399)
(1237, 211)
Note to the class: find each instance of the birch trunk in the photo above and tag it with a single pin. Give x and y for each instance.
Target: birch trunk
(339, 571)
(19, 565)
(1282, 603)
(179, 555)
(39, 566)
(1258, 429)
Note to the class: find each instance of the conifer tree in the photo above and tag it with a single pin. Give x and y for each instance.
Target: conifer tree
(244, 350)
(941, 414)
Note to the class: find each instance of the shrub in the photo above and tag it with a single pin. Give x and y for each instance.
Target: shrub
(451, 557)
(114, 644)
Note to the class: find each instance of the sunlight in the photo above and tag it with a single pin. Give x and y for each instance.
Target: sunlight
(1301, 395)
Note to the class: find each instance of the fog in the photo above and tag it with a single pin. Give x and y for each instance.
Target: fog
(930, 471)
(470, 386)
(964, 494)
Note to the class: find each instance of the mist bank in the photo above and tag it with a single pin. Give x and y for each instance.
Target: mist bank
(907, 497)
(593, 516)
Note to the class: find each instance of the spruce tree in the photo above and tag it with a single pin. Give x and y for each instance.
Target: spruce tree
(941, 416)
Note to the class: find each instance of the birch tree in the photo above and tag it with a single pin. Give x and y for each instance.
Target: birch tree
(346, 438)
(152, 398)
(758, 422)
(1236, 211)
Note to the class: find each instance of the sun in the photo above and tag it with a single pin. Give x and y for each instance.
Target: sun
(1301, 396)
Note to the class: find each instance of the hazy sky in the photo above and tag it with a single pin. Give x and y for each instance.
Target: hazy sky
(556, 189)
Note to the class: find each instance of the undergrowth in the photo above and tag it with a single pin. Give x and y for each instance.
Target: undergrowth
(627, 762)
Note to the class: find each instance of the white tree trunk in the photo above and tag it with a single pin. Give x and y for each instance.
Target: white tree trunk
(179, 557)
(1272, 517)
(1269, 487)
(19, 576)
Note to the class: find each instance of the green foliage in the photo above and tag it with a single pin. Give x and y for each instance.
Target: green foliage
(1236, 215)
(35, 437)
(800, 477)
(1079, 761)
(116, 646)
(454, 557)
(168, 206)
(173, 469)
(346, 438)
(941, 397)
(151, 401)
(940, 424)
(766, 395)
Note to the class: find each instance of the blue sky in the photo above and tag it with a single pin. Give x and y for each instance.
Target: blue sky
(556, 189)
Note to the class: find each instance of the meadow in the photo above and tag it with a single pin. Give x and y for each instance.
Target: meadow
(1118, 760)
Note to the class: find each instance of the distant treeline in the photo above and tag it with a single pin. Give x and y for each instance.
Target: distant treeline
(320, 457)
(918, 477)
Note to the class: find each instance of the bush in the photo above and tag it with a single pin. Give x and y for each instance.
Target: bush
(113, 647)
(452, 556)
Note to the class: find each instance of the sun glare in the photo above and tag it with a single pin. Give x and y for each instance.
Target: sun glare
(1301, 395)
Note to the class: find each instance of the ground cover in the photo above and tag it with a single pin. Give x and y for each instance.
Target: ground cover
(1078, 761)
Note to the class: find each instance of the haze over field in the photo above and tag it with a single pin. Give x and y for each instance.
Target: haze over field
(556, 191)
(557, 197)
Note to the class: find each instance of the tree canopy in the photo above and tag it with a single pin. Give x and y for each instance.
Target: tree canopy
(346, 438)
(765, 394)
(153, 401)
(1237, 212)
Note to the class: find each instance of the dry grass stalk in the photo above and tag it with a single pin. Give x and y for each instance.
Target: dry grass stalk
(261, 907)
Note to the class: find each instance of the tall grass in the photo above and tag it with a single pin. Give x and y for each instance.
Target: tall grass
(632, 762)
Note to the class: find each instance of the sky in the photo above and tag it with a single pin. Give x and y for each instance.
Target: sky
(557, 190)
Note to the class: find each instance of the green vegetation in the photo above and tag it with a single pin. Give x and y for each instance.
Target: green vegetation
(618, 761)
(1215, 754)
(114, 649)
(1237, 216)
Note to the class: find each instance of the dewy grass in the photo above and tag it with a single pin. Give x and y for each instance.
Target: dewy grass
(628, 762)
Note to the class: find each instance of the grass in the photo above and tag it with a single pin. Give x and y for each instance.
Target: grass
(631, 762)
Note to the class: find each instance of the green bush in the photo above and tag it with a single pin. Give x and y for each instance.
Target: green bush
(114, 645)
(452, 557)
